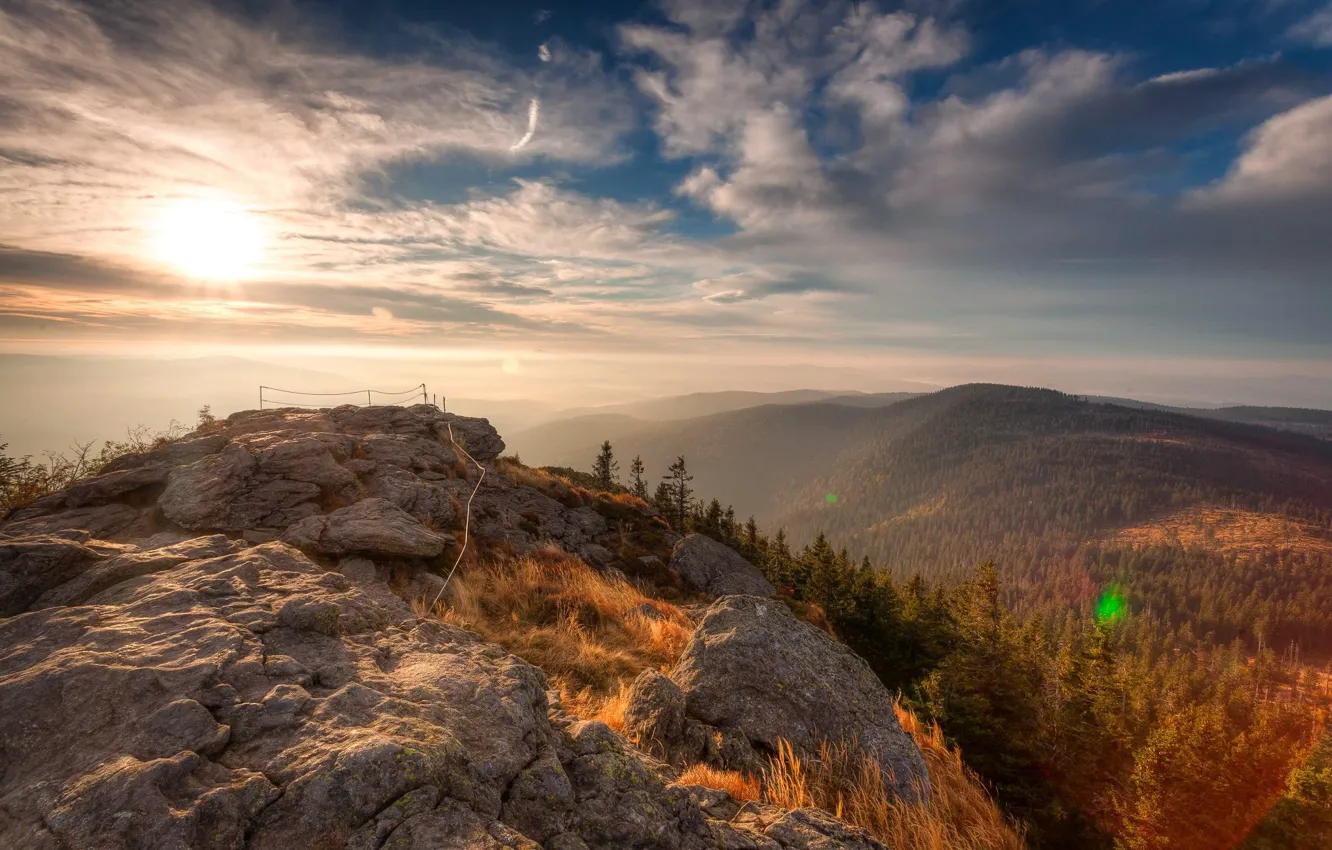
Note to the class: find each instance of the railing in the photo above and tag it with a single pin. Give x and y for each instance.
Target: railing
(383, 397)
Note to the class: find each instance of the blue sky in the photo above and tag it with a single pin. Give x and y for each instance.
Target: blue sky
(1105, 197)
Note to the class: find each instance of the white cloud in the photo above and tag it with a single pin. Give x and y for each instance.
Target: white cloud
(533, 115)
(1287, 157)
(777, 184)
(1315, 29)
(108, 113)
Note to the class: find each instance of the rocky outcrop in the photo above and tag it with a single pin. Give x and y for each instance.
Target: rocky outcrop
(324, 480)
(751, 675)
(370, 525)
(716, 569)
(232, 669)
(255, 699)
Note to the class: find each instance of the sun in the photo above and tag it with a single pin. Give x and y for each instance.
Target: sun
(210, 239)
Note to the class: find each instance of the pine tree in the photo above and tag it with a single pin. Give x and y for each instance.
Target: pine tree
(712, 519)
(678, 478)
(604, 468)
(664, 500)
(637, 485)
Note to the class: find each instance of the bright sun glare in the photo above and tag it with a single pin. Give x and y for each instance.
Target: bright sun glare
(214, 240)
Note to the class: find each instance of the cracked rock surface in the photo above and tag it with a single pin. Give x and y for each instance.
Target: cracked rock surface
(255, 699)
(166, 682)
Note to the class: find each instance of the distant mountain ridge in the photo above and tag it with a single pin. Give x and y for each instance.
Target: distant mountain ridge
(1051, 486)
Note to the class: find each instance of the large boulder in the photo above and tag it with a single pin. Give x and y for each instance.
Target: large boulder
(752, 668)
(716, 569)
(264, 481)
(371, 525)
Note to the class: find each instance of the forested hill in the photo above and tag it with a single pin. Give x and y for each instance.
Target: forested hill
(977, 469)
(1225, 525)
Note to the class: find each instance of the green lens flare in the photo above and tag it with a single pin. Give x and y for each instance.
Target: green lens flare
(831, 498)
(1112, 606)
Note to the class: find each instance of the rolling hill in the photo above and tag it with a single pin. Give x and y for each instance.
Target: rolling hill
(1225, 522)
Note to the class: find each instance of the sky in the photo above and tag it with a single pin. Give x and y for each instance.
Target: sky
(596, 201)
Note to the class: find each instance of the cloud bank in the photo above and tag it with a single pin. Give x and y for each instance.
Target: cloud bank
(843, 182)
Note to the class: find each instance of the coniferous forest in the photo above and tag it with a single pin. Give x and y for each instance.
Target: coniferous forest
(1164, 688)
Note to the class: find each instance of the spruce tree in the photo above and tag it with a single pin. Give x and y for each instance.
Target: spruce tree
(712, 519)
(604, 468)
(664, 500)
(637, 485)
(678, 479)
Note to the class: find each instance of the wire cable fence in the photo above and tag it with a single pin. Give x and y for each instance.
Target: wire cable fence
(278, 397)
(467, 519)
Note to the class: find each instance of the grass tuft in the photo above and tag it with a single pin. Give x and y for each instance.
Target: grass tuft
(741, 787)
(552, 610)
(842, 780)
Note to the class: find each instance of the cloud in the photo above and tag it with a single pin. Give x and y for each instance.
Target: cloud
(1315, 29)
(709, 79)
(1287, 157)
(109, 110)
(533, 115)
(841, 176)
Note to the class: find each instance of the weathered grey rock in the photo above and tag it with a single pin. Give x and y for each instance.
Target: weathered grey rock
(424, 588)
(31, 566)
(267, 470)
(803, 829)
(197, 692)
(106, 522)
(655, 716)
(596, 556)
(172, 454)
(406, 451)
(716, 569)
(130, 676)
(103, 488)
(619, 801)
(130, 565)
(370, 525)
(647, 611)
(524, 517)
(429, 501)
(751, 666)
(476, 436)
(263, 480)
(253, 699)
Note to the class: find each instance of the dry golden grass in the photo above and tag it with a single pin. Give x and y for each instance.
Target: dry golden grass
(740, 786)
(554, 611)
(582, 628)
(842, 780)
(589, 705)
(1226, 530)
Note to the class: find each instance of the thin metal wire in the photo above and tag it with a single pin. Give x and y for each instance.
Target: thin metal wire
(412, 391)
(467, 519)
(402, 395)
